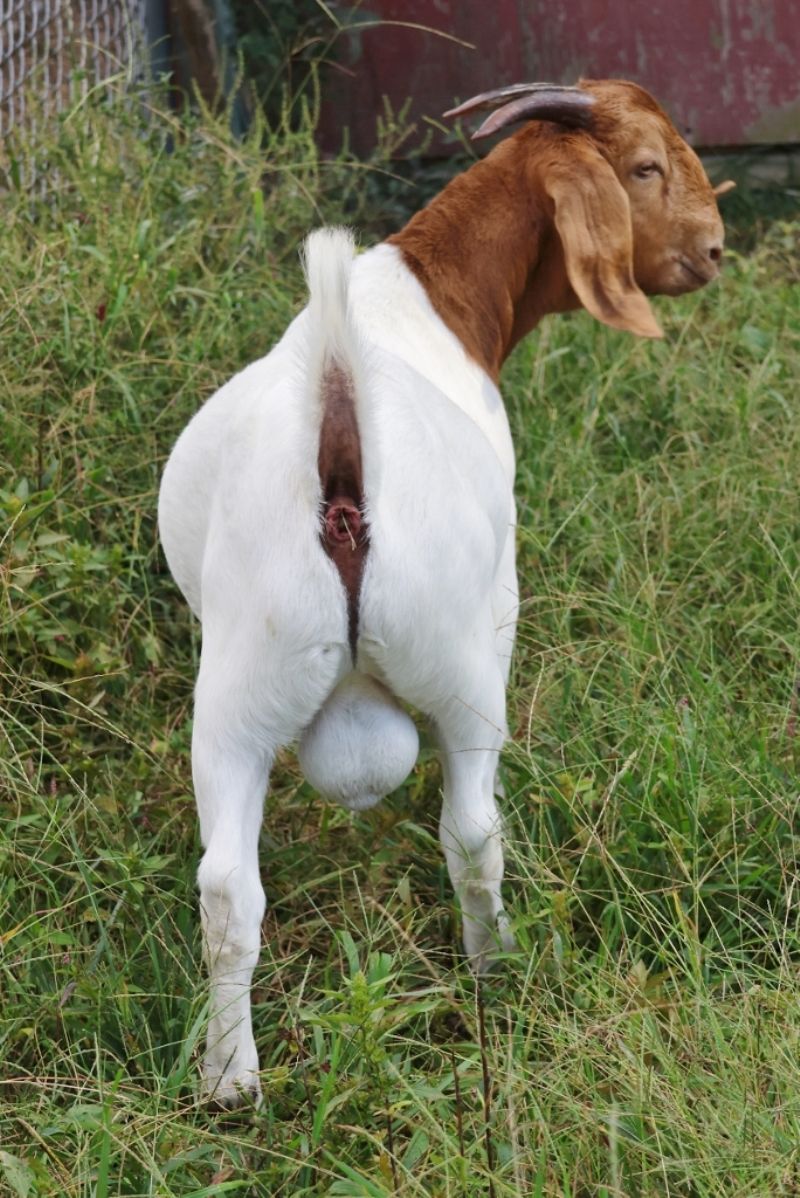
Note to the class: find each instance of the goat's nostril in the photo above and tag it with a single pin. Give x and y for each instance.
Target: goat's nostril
(715, 253)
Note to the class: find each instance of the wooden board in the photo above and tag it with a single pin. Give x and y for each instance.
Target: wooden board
(728, 71)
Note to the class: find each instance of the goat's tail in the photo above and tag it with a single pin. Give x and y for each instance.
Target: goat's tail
(336, 382)
(327, 256)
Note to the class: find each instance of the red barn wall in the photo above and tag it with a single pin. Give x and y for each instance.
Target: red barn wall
(728, 71)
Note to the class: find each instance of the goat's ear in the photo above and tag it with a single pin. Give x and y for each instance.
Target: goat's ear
(593, 219)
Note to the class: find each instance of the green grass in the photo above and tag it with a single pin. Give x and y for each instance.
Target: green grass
(645, 1040)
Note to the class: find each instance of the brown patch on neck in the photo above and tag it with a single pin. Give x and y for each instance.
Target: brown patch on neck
(486, 251)
(344, 534)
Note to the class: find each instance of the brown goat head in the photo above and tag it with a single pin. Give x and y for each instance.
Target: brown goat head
(654, 211)
(597, 201)
(677, 231)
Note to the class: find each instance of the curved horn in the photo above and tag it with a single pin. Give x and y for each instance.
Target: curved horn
(501, 95)
(570, 106)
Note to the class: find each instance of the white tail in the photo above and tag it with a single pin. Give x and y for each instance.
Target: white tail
(327, 257)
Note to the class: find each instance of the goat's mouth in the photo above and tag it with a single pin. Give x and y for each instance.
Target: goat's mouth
(678, 275)
(697, 278)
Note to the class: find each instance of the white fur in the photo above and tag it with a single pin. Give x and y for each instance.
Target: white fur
(239, 514)
(360, 746)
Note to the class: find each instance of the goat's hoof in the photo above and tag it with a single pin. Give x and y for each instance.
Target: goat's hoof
(485, 946)
(231, 1091)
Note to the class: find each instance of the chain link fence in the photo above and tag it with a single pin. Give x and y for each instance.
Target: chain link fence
(52, 52)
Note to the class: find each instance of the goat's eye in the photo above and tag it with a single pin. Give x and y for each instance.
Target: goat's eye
(646, 170)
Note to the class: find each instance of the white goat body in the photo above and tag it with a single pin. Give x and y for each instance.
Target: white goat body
(239, 515)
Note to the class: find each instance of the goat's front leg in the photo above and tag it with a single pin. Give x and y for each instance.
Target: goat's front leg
(471, 731)
(230, 776)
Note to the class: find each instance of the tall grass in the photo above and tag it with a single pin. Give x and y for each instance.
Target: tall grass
(644, 1040)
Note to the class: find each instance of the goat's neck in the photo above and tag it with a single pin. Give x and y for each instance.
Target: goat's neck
(487, 254)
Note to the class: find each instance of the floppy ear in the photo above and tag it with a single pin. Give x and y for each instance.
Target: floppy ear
(593, 220)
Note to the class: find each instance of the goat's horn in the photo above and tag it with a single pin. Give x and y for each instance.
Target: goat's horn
(570, 106)
(722, 189)
(501, 95)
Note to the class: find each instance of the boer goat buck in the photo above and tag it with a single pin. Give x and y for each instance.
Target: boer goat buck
(340, 515)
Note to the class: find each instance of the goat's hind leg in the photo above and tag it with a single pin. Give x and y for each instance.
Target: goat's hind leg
(471, 729)
(248, 703)
(230, 777)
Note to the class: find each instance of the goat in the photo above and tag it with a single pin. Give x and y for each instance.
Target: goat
(340, 515)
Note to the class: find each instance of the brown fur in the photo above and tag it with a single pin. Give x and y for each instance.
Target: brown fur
(555, 219)
(344, 534)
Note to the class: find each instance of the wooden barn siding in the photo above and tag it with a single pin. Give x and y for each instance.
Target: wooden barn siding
(728, 71)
